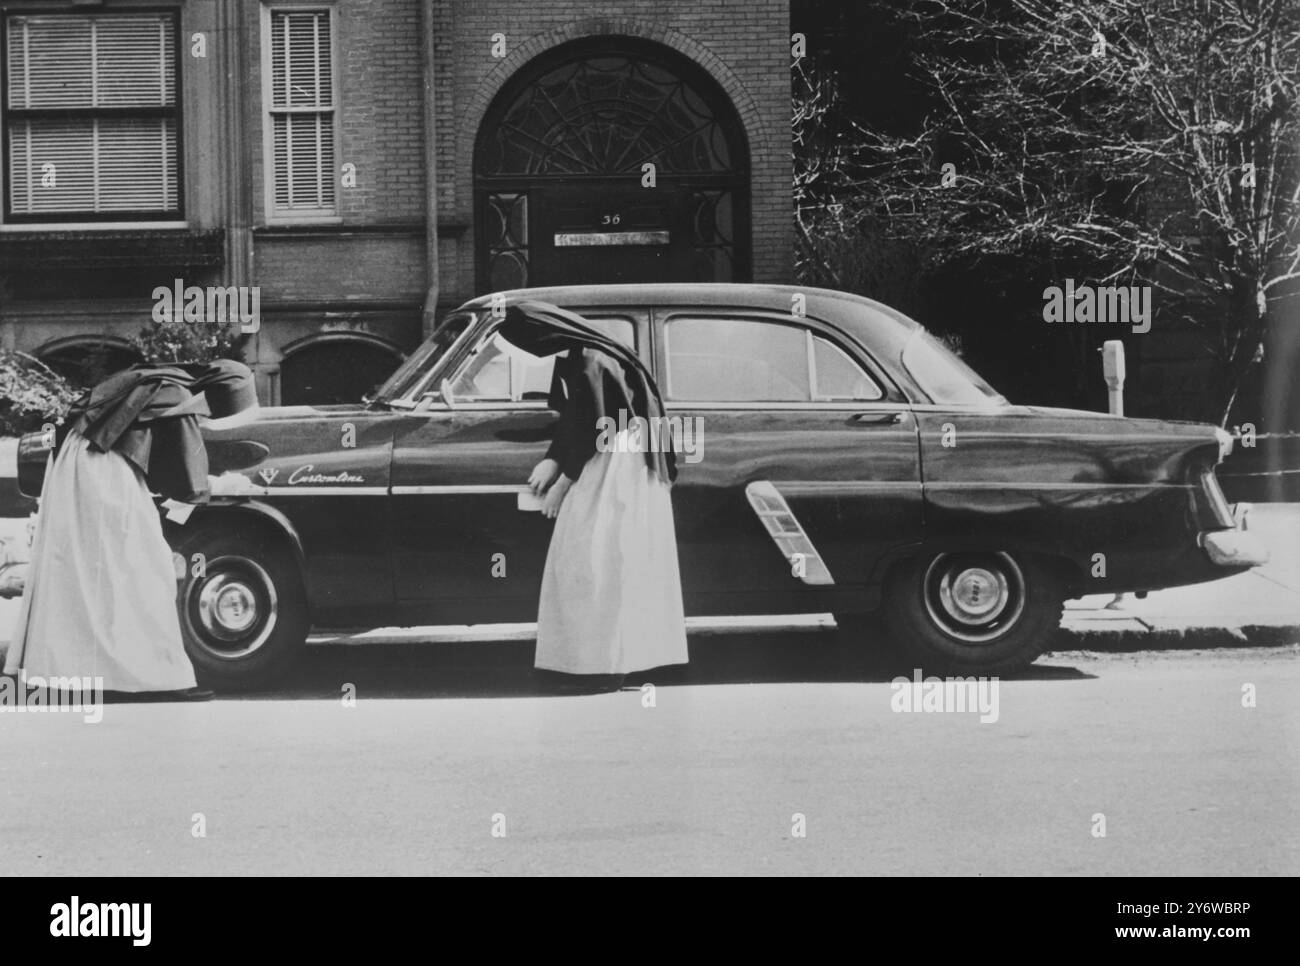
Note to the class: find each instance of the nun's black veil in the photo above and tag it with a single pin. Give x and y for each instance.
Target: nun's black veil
(542, 329)
(534, 336)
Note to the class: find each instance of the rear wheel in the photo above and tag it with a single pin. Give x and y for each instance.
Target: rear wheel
(984, 612)
(243, 610)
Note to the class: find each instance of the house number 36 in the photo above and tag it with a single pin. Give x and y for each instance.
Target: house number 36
(610, 219)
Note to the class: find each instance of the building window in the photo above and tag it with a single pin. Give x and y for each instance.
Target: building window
(90, 117)
(300, 113)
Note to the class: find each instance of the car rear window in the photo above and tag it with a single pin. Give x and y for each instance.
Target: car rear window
(943, 375)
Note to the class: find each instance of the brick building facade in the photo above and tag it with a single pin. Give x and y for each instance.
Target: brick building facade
(367, 164)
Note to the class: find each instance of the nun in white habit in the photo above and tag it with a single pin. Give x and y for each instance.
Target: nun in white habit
(100, 598)
(611, 596)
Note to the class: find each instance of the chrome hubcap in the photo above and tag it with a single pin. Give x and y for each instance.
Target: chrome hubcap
(974, 597)
(231, 610)
(227, 607)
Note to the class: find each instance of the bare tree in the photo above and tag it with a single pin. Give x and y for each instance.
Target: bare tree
(1157, 139)
(841, 240)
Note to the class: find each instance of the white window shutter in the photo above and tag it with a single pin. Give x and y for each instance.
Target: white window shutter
(301, 105)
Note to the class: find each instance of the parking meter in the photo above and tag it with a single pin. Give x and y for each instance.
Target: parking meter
(1112, 365)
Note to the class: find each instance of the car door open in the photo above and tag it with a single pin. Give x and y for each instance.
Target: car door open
(465, 530)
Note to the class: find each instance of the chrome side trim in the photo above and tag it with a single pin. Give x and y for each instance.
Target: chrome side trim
(324, 491)
(997, 485)
(1013, 435)
(970, 409)
(810, 487)
(865, 406)
(480, 488)
(845, 487)
(531, 405)
(492, 406)
(787, 533)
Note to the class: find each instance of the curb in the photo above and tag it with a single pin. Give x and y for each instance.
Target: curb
(1120, 640)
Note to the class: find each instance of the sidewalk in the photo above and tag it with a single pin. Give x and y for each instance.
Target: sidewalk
(1255, 604)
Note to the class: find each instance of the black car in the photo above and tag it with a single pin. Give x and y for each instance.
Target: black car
(843, 460)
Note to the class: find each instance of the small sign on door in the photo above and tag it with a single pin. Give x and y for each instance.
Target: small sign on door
(585, 238)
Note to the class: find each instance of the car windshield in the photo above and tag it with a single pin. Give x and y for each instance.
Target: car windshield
(943, 376)
(418, 363)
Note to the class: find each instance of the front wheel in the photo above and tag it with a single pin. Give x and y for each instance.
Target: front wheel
(973, 612)
(243, 610)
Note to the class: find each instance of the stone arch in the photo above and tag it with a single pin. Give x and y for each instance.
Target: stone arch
(755, 126)
(334, 367)
(86, 359)
(557, 156)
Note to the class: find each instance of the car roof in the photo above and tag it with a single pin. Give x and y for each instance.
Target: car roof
(884, 332)
(747, 294)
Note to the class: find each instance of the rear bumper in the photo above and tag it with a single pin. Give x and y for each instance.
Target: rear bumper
(1233, 548)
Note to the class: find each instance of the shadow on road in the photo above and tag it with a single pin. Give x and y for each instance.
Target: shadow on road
(503, 669)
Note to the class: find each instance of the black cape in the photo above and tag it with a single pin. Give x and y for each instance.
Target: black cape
(129, 413)
(597, 378)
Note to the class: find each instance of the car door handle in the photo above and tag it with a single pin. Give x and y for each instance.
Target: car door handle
(876, 419)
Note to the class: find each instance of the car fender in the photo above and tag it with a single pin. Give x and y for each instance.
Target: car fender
(264, 512)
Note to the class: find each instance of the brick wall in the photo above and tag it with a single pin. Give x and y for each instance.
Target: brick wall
(745, 47)
(370, 260)
(381, 111)
(381, 127)
(382, 96)
(380, 100)
(362, 267)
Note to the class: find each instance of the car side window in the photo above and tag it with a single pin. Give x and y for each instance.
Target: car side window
(497, 372)
(618, 327)
(839, 378)
(749, 360)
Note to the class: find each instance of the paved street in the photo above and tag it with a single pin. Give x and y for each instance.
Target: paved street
(449, 741)
(445, 740)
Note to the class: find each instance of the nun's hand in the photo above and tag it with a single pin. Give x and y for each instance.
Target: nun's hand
(231, 483)
(543, 475)
(555, 497)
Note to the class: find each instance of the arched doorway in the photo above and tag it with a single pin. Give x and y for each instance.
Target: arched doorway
(86, 361)
(334, 369)
(560, 176)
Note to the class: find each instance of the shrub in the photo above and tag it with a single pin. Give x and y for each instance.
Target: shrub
(181, 341)
(31, 394)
